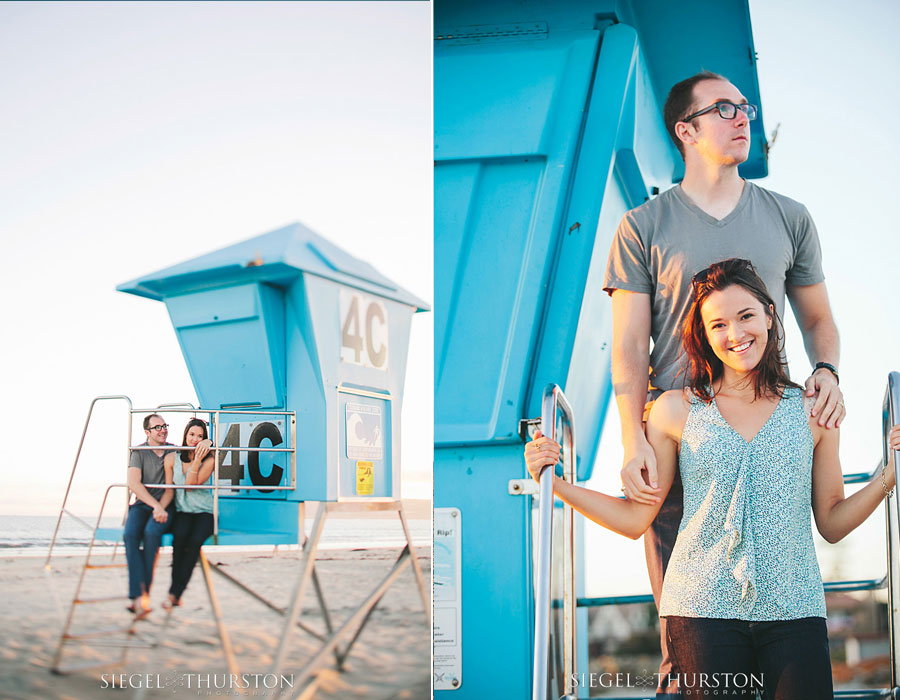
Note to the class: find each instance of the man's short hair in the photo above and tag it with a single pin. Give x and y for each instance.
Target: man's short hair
(680, 102)
(147, 420)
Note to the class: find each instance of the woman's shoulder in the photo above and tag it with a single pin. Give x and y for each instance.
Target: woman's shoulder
(670, 411)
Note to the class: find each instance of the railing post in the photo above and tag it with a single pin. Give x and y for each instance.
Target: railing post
(553, 400)
(216, 478)
(890, 415)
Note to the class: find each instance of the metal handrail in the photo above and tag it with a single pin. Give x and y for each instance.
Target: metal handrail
(78, 456)
(214, 415)
(890, 415)
(246, 411)
(863, 477)
(184, 407)
(869, 584)
(553, 400)
(181, 448)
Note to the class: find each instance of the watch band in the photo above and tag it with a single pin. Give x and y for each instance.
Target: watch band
(830, 367)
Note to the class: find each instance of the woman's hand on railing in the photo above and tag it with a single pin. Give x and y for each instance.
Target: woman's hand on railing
(887, 475)
(202, 449)
(539, 453)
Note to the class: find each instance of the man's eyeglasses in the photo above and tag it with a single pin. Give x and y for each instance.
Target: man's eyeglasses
(159, 428)
(727, 110)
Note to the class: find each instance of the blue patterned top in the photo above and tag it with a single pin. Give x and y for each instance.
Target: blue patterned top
(190, 500)
(745, 548)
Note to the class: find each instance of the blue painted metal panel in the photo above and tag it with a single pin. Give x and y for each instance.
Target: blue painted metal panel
(502, 212)
(258, 522)
(498, 610)
(232, 339)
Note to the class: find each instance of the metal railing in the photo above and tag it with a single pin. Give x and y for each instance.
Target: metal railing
(214, 415)
(890, 415)
(215, 487)
(554, 401)
(87, 421)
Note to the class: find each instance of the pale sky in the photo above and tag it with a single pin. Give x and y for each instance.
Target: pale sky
(138, 135)
(829, 77)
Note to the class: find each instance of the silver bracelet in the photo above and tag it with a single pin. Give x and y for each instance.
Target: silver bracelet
(887, 493)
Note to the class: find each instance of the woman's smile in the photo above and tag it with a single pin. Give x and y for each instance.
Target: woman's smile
(742, 348)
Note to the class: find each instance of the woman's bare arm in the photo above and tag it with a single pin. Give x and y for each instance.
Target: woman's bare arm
(625, 517)
(835, 515)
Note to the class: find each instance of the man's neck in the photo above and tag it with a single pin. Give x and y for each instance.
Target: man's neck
(714, 189)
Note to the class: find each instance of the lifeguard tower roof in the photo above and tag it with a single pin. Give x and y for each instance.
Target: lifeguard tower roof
(277, 258)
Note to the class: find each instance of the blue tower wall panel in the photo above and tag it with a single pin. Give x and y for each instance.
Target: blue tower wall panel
(498, 609)
(233, 342)
(497, 229)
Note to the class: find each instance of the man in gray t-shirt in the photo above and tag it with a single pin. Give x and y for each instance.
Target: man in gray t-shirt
(712, 215)
(150, 516)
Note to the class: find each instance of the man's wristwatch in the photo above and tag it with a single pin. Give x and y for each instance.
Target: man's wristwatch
(830, 367)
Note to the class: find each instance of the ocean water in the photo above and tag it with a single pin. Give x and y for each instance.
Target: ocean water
(30, 535)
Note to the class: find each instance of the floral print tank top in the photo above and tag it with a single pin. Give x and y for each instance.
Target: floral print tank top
(745, 548)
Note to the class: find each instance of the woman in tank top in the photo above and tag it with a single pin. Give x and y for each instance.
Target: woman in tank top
(742, 594)
(194, 517)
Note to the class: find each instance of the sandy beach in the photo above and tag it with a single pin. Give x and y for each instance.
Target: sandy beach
(390, 660)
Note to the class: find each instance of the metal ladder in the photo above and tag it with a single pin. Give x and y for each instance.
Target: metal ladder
(543, 689)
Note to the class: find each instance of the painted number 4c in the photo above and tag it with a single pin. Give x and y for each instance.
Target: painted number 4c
(364, 331)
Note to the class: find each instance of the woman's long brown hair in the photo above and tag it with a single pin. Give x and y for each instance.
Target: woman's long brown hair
(188, 455)
(703, 367)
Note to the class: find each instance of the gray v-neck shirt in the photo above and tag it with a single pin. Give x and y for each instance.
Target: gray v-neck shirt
(152, 467)
(660, 245)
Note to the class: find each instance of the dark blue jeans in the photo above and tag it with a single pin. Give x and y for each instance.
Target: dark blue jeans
(788, 658)
(140, 526)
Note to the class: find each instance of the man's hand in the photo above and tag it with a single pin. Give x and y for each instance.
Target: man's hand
(829, 406)
(639, 477)
(160, 515)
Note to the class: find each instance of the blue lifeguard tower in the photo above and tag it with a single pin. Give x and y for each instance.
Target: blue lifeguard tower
(548, 128)
(294, 347)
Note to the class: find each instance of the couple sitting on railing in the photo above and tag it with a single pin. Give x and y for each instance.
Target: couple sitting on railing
(752, 461)
(189, 517)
